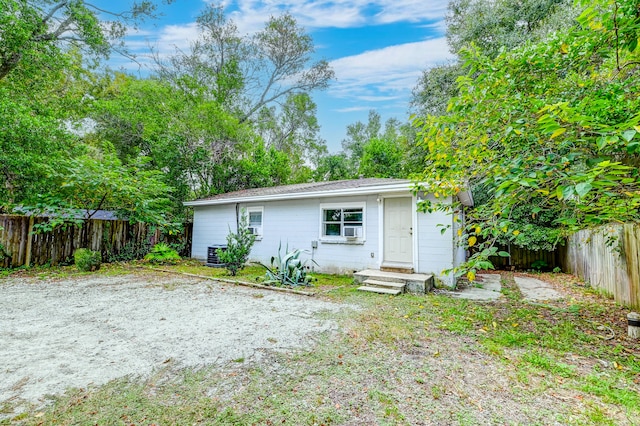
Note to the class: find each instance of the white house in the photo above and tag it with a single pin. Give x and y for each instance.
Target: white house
(346, 226)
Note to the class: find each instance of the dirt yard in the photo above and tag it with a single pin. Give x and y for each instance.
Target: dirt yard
(194, 351)
(63, 333)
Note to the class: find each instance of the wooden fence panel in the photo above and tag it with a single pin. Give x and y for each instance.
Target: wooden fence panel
(14, 239)
(523, 259)
(56, 247)
(608, 258)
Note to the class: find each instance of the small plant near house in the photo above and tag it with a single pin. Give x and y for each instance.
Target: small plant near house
(161, 253)
(287, 270)
(238, 248)
(87, 260)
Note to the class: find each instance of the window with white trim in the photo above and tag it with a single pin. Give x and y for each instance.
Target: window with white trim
(342, 222)
(255, 220)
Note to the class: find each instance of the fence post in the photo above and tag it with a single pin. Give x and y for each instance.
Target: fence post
(633, 324)
(27, 261)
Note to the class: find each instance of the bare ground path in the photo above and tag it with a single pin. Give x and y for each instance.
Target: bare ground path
(258, 357)
(62, 333)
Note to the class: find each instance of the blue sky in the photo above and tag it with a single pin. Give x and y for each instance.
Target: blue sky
(377, 48)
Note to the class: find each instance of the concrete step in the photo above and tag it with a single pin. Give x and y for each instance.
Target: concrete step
(414, 283)
(380, 290)
(384, 284)
(398, 268)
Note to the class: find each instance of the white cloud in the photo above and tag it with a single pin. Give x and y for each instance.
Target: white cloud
(177, 36)
(388, 72)
(353, 109)
(411, 11)
(251, 14)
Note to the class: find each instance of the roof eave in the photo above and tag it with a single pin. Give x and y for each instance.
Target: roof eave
(375, 189)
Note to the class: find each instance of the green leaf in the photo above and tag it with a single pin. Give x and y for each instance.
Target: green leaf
(503, 254)
(628, 135)
(583, 188)
(633, 147)
(558, 132)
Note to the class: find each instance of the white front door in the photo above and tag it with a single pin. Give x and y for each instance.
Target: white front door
(398, 230)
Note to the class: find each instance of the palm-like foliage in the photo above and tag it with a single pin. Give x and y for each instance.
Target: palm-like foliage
(288, 269)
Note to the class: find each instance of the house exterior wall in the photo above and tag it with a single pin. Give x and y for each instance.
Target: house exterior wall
(297, 223)
(210, 227)
(460, 251)
(436, 250)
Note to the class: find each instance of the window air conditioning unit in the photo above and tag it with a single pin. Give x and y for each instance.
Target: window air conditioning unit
(253, 230)
(352, 231)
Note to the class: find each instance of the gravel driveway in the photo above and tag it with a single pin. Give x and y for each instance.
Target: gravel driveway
(73, 332)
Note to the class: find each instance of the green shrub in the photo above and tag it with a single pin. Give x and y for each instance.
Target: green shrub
(238, 248)
(3, 250)
(161, 253)
(540, 265)
(3, 253)
(131, 250)
(87, 260)
(287, 270)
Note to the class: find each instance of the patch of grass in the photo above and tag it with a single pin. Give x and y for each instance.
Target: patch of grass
(46, 272)
(612, 387)
(396, 361)
(256, 274)
(597, 416)
(547, 363)
(437, 391)
(387, 404)
(460, 315)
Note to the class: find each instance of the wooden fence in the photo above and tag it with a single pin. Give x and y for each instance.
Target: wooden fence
(114, 239)
(608, 258)
(523, 259)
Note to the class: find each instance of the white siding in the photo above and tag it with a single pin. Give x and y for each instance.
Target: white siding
(435, 249)
(297, 224)
(460, 252)
(210, 227)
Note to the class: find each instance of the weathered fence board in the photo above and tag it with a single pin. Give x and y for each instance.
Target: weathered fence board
(608, 258)
(110, 237)
(523, 259)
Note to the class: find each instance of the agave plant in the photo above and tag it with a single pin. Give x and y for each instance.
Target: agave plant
(287, 269)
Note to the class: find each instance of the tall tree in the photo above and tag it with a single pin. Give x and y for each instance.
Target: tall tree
(498, 25)
(333, 167)
(217, 63)
(247, 74)
(359, 133)
(200, 147)
(492, 26)
(265, 81)
(33, 142)
(550, 129)
(293, 130)
(376, 151)
(32, 32)
(382, 158)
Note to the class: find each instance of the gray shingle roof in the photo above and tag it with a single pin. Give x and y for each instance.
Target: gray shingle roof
(319, 187)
